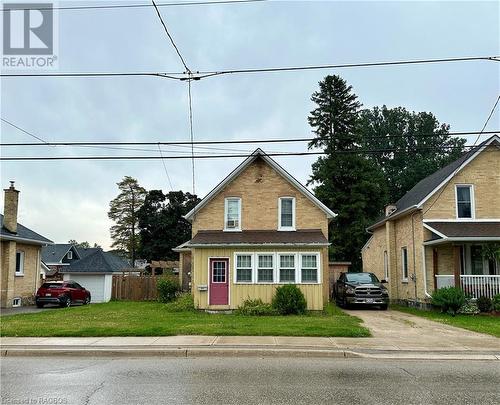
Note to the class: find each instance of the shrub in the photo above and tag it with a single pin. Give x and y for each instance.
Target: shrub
(495, 302)
(449, 299)
(469, 308)
(484, 304)
(183, 303)
(255, 307)
(288, 299)
(168, 287)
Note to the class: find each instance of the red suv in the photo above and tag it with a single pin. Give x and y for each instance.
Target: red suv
(63, 293)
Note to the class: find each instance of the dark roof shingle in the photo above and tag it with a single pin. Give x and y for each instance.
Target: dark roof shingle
(467, 229)
(301, 237)
(97, 262)
(23, 233)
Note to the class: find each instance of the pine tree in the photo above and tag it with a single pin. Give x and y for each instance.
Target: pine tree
(123, 210)
(349, 183)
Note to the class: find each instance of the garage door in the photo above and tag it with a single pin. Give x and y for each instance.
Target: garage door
(93, 283)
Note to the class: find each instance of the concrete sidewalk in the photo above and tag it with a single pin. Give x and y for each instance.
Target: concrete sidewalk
(198, 346)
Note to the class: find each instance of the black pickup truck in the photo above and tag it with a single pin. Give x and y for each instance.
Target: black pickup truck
(362, 289)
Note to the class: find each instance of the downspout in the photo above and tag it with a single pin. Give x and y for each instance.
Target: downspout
(424, 267)
(414, 255)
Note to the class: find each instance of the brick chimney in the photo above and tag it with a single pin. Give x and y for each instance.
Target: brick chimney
(390, 209)
(10, 208)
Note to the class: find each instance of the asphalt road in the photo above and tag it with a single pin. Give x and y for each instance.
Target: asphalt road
(77, 380)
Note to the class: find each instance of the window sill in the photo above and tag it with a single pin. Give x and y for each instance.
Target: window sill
(19, 274)
(404, 281)
(287, 229)
(232, 230)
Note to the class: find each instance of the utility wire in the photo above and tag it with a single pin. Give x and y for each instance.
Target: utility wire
(190, 102)
(118, 6)
(170, 37)
(488, 119)
(228, 141)
(197, 75)
(165, 167)
(26, 132)
(225, 156)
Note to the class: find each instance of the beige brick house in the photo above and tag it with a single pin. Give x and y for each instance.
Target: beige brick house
(437, 234)
(258, 229)
(20, 258)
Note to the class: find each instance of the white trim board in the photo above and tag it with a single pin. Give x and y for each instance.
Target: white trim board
(462, 220)
(256, 154)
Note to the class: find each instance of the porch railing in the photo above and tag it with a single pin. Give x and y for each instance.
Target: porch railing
(473, 285)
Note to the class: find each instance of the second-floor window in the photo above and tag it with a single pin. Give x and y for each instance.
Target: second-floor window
(232, 214)
(70, 255)
(465, 201)
(286, 214)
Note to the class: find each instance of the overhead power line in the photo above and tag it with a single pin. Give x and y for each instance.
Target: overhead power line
(23, 130)
(118, 6)
(198, 75)
(487, 120)
(228, 141)
(225, 156)
(170, 36)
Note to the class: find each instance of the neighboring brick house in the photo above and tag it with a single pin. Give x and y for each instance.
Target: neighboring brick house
(20, 256)
(435, 235)
(258, 229)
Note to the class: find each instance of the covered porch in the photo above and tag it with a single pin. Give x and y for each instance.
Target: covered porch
(466, 255)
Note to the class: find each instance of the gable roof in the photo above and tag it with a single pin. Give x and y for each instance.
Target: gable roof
(55, 253)
(97, 262)
(259, 153)
(23, 234)
(426, 187)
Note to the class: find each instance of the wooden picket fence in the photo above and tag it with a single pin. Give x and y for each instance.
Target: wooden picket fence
(134, 287)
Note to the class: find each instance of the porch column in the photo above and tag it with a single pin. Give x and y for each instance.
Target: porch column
(456, 265)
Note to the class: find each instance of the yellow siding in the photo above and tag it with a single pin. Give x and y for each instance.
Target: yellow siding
(314, 293)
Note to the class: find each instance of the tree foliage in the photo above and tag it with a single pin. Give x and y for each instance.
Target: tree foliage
(123, 210)
(350, 184)
(422, 145)
(161, 223)
(83, 245)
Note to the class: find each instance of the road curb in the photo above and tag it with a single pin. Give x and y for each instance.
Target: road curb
(193, 352)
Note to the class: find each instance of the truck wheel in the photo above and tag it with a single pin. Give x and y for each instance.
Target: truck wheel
(384, 307)
(39, 305)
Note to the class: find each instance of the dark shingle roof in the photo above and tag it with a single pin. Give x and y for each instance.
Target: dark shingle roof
(55, 253)
(305, 237)
(467, 229)
(85, 252)
(23, 233)
(97, 262)
(425, 186)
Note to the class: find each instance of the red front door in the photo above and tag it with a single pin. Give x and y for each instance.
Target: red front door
(219, 281)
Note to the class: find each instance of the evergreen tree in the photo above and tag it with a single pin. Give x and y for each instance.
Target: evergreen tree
(348, 182)
(162, 224)
(123, 210)
(416, 145)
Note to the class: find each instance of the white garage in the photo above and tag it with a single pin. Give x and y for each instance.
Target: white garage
(99, 285)
(94, 271)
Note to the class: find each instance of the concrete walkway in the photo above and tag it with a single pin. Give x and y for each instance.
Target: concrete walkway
(410, 332)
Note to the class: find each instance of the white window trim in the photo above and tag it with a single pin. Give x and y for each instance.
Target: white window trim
(256, 268)
(472, 204)
(21, 271)
(403, 263)
(286, 228)
(69, 255)
(278, 267)
(252, 266)
(225, 214)
(19, 302)
(318, 268)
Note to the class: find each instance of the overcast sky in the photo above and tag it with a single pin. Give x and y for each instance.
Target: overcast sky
(65, 200)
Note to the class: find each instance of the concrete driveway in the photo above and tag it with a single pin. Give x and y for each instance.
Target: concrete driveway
(413, 332)
(26, 310)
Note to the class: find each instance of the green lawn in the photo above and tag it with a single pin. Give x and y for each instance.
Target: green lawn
(127, 318)
(483, 323)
